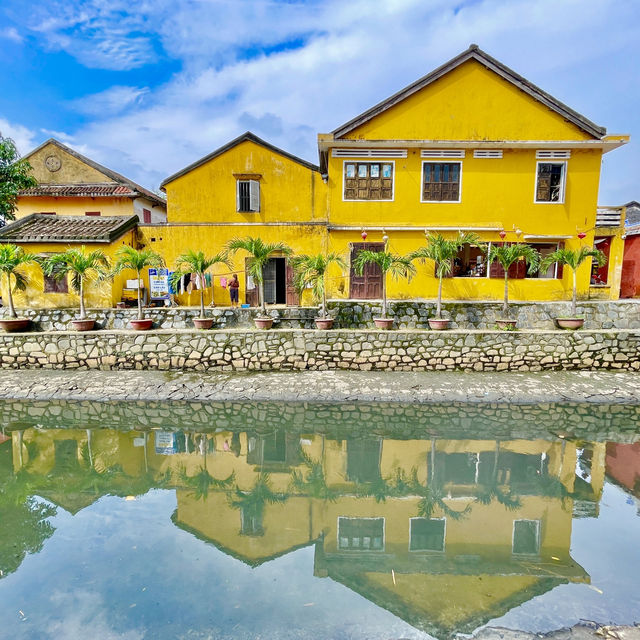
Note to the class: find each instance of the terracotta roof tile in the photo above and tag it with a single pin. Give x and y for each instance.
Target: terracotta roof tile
(40, 227)
(82, 190)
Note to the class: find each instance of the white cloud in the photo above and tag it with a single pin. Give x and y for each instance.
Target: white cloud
(11, 33)
(22, 136)
(337, 60)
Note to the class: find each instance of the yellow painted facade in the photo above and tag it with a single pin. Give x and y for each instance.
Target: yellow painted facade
(472, 104)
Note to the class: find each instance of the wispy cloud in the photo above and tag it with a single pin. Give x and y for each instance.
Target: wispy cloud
(22, 136)
(11, 33)
(289, 69)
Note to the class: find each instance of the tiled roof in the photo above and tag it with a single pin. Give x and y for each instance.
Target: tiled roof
(40, 227)
(87, 190)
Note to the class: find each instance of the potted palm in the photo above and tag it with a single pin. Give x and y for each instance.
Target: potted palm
(442, 252)
(83, 266)
(506, 255)
(573, 259)
(199, 263)
(310, 271)
(389, 263)
(137, 260)
(259, 254)
(12, 259)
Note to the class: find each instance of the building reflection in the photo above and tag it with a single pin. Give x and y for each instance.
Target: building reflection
(444, 533)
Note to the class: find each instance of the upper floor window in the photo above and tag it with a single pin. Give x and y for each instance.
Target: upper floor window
(247, 196)
(360, 534)
(146, 216)
(92, 213)
(426, 534)
(441, 181)
(368, 180)
(550, 181)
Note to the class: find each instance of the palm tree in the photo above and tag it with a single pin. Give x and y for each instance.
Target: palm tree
(12, 258)
(260, 252)
(196, 262)
(137, 260)
(443, 252)
(311, 271)
(506, 255)
(83, 266)
(573, 259)
(398, 266)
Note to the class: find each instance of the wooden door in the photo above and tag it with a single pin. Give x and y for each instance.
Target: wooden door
(368, 286)
(293, 297)
(252, 295)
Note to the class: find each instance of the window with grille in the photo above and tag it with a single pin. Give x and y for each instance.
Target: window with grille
(368, 180)
(426, 534)
(526, 536)
(54, 285)
(247, 196)
(361, 534)
(550, 182)
(441, 181)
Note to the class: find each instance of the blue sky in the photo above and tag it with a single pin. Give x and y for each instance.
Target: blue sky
(147, 87)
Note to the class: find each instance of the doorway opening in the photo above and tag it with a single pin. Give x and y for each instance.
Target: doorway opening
(279, 288)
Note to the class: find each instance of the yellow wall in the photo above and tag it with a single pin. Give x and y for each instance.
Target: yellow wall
(97, 294)
(74, 206)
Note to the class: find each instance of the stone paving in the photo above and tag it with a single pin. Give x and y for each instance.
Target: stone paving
(326, 386)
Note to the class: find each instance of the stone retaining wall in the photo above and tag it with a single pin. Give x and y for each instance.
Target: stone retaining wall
(242, 350)
(359, 314)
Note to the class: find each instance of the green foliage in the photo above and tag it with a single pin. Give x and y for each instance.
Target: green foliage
(196, 262)
(573, 259)
(259, 252)
(202, 481)
(443, 251)
(15, 175)
(12, 258)
(80, 263)
(136, 259)
(506, 254)
(312, 483)
(310, 271)
(390, 263)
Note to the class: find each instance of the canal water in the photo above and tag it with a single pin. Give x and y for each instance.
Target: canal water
(151, 521)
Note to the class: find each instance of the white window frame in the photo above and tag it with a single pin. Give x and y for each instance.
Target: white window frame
(440, 161)
(538, 539)
(444, 537)
(254, 195)
(369, 161)
(384, 534)
(563, 183)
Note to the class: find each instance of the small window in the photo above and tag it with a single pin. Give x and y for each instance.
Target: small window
(92, 213)
(53, 285)
(368, 181)
(361, 534)
(146, 216)
(248, 196)
(426, 534)
(526, 536)
(550, 182)
(441, 181)
(251, 522)
(544, 249)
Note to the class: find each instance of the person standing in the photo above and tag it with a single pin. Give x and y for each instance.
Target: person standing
(234, 287)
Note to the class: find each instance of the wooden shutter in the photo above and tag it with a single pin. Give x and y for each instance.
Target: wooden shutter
(254, 195)
(369, 285)
(560, 271)
(293, 297)
(146, 216)
(237, 195)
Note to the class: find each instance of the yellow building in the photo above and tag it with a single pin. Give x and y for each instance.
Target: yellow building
(472, 146)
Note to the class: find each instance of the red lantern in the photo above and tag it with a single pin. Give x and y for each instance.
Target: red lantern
(503, 234)
(582, 235)
(364, 235)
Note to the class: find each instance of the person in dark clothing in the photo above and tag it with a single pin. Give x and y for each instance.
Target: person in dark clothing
(234, 287)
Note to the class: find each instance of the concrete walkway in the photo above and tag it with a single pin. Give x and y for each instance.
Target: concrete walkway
(325, 386)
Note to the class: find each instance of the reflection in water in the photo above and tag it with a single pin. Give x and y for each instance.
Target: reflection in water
(445, 533)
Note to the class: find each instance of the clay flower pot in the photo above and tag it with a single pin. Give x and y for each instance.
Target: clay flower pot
(203, 323)
(15, 324)
(439, 324)
(141, 325)
(383, 323)
(570, 323)
(506, 324)
(83, 325)
(262, 322)
(324, 323)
